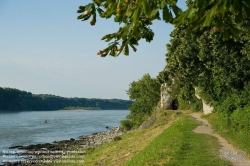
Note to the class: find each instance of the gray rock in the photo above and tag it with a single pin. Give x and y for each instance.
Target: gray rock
(14, 147)
(207, 107)
(86, 141)
(166, 98)
(149, 122)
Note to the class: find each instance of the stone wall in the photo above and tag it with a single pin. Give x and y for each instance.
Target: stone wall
(166, 98)
(207, 108)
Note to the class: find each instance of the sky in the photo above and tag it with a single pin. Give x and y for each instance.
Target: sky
(44, 49)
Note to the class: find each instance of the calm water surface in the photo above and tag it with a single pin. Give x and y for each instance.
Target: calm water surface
(25, 128)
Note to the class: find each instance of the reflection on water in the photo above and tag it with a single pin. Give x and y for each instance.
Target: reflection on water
(25, 128)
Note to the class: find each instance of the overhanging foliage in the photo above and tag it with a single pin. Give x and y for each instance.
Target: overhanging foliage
(136, 16)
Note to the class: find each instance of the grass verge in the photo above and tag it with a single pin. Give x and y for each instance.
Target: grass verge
(133, 143)
(179, 145)
(239, 140)
(170, 141)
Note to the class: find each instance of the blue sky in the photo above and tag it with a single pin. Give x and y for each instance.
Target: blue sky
(44, 49)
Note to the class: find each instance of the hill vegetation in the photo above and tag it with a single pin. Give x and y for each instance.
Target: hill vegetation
(16, 100)
(208, 54)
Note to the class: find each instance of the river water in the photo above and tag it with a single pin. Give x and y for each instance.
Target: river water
(28, 127)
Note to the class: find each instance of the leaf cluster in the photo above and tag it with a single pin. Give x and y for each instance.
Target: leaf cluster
(135, 16)
(221, 12)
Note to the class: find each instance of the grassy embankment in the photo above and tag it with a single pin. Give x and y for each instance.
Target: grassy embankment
(170, 141)
(239, 140)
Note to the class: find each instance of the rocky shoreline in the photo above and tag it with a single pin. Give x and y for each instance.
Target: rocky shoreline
(59, 148)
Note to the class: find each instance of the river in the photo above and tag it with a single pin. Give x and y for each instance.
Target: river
(28, 127)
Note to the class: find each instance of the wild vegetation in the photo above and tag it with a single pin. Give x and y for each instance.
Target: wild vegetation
(217, 69)
(238, 138)
(16, 100)
(146, 95)
(208, 53)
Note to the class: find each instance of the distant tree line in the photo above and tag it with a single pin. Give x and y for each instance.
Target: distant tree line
(17, 100)
(81, 108)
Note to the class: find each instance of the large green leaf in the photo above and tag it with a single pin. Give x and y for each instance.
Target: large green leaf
(167, 15)
(118, 17)
(136, 14)
(146, 8)
(154, 12)
(126, 50)
(208, 20)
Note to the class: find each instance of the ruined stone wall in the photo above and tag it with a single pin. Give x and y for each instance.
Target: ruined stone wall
(166, 98)
(207, 108)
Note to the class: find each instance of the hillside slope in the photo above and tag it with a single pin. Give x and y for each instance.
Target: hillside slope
(169, 141)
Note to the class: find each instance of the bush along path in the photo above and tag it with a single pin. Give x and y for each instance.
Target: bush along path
(227, 151)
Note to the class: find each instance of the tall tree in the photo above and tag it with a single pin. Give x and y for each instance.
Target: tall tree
(220, 69)
(146, 94)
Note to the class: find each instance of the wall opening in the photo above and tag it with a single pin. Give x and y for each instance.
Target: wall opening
(175, 105)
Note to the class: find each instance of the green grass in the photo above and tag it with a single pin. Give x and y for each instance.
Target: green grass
(170, 141)
(118, 153)
(179, 145)
(132, 143)
(239, 140)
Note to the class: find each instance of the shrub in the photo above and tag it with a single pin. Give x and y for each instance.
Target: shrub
(193, 104)
(146, 94)
(183, 104)
(190, 103)
(224, 119)
(128, 124)
(240, 120)
(196, 105)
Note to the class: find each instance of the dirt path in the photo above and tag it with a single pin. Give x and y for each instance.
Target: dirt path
(227, 151)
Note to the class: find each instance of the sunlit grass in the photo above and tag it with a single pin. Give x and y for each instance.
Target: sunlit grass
(239, 140)
(179, 145)
(170, 141)
(133, 143)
